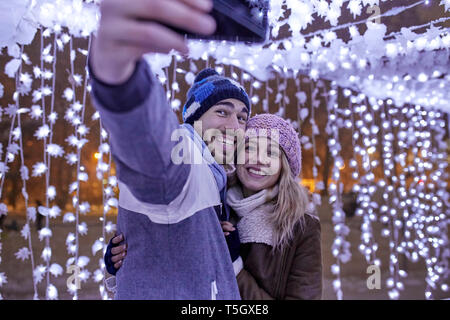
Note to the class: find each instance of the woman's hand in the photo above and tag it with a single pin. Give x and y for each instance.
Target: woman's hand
(232, 238)
(115, 254)
(118, 252)
(227, 227)
(130, 28)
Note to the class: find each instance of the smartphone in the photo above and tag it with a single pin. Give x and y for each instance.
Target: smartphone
(237, 21)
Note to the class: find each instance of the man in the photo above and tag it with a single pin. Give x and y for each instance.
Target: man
(167, 211)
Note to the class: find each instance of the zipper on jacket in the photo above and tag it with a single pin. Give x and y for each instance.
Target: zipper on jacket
(214, 290)
(280, 277)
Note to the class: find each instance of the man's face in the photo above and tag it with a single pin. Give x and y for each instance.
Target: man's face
(220, 127)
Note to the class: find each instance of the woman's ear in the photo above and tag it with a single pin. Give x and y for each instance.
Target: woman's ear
(231, 171)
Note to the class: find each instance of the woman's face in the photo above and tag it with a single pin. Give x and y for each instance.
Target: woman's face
(262, 166)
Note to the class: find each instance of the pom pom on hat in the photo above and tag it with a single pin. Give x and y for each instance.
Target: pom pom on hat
(208, 89)
(205, 73)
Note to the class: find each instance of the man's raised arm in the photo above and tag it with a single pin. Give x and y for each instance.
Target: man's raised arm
(131, 102)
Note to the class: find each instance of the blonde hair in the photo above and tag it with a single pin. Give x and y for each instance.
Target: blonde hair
(290, 206)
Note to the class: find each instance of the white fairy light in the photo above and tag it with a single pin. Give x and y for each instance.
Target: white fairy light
(109, 227)
(82, 130)
(42, 132)
(98, 275)
(314, 74)
(47, 252)
(52, 292)
(68, 94)
(69, 217)
(82, 228)
(51, 192)
(422, 77)
(39, 169)
(54, 150)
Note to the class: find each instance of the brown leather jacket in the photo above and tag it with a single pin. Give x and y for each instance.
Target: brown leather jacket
(294, 272)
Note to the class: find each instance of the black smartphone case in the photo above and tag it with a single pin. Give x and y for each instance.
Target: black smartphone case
(236, 22)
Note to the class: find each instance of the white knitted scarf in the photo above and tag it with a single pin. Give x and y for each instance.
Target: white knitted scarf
(254, 224)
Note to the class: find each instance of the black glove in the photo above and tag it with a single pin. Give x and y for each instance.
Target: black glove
(108, 255)
(234, 244)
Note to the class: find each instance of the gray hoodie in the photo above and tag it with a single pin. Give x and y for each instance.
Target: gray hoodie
(167, 210)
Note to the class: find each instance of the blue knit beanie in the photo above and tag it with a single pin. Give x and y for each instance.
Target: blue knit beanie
(208, 89)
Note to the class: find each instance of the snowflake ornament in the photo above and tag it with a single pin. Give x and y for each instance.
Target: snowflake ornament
(23, 254)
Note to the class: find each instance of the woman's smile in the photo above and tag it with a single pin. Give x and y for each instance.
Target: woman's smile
(256, 172)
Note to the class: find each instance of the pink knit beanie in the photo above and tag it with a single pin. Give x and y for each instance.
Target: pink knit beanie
(288, 137)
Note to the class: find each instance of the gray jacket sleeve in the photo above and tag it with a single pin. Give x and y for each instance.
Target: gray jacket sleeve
(140, 124)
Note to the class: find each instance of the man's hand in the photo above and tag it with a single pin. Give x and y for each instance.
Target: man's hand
(130, 28)
(227, 227)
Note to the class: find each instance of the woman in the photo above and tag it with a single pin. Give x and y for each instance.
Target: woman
(280, 240)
